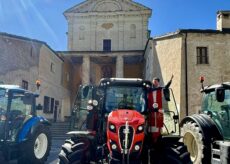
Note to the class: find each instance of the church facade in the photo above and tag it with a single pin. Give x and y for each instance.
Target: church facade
(106, 38)
(110, 38)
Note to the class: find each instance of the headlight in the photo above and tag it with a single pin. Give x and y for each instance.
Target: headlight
(89, 107)
(95, 102)
(112, 127)
(114, 146)
(90, 102)
(140, 128)
(137, 147)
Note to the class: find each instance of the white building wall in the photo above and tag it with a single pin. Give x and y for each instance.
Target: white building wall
(88, 32)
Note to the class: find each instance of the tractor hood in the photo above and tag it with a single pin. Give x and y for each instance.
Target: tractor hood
(121, 116)
(125, 133)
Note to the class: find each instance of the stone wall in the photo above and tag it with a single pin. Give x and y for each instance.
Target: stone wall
(148, 61)
(133, 70)
(19, 60)
(216, 71)
(50, 74)
(25, 59)
(163, 58)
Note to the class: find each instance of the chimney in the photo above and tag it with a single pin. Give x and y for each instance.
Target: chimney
(223, 20)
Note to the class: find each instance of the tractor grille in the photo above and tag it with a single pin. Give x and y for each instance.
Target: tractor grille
(122, 137)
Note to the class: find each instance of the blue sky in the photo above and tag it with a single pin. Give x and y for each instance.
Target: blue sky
(44, 20)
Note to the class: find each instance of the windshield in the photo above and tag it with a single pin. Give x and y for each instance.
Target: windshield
(219, 111)
(80, 112)
(125, 97)
(21, 104)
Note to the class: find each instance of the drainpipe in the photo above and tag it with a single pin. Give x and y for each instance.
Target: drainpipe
(186, 73)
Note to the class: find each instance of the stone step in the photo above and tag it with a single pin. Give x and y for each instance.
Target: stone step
(59, 130)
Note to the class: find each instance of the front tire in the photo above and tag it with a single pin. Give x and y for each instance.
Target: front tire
(177, 154)
(75, 152)
(193, 139)
(173, 153)
(37, 149)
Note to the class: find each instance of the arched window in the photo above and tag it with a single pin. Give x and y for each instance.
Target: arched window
(132, 31)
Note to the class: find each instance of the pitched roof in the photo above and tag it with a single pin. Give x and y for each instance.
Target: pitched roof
(106, 6)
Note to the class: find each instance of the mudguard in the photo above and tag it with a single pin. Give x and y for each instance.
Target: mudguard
(30, 127)
(207, 126)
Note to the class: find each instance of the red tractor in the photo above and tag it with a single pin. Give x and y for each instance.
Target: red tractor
(124, 121)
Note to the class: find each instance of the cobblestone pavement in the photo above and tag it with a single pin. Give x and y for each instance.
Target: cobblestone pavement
(55, 150)
(52, 159)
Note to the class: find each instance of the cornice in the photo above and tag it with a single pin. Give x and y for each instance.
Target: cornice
(110, 14)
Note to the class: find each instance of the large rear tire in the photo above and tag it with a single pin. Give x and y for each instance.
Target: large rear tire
(173, 153)
(37, 149)
(75, 152)
(177, 154)
(193, 139)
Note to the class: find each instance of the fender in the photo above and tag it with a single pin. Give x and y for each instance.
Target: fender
(206, 124)
(82, 134)
(30, 126)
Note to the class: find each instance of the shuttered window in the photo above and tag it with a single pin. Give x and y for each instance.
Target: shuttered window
(106, 45)
(202, 55)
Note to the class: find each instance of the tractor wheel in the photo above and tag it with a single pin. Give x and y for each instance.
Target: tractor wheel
(37, 149)
(173, 153)
(75, 152)
(193, 139)
(177, 154)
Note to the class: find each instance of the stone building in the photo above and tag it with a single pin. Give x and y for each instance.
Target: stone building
(106, 39)
(189, 54)
(110, 38)
(25, 60)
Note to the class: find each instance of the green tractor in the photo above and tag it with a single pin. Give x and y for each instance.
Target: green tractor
(207, 134)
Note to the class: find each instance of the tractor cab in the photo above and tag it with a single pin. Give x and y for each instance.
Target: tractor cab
(80, 111)
(216, 104)
(111, 94)
(24, 136)
(16, 107)
(129, 94)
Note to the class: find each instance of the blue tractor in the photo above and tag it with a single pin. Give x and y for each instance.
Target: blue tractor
(24, 136)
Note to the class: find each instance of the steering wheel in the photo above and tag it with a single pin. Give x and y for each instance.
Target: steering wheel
(16, 117)
(2, 114)
(125, 105)
(225, 109)
(15, 114)
(2, 111)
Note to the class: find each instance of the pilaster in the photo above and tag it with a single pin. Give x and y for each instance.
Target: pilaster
(120, 67)
(86, 70)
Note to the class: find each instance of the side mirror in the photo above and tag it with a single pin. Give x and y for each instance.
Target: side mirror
(220, 94)
(39, 107)
(166, 92)
(85, 91)
(27, 98)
